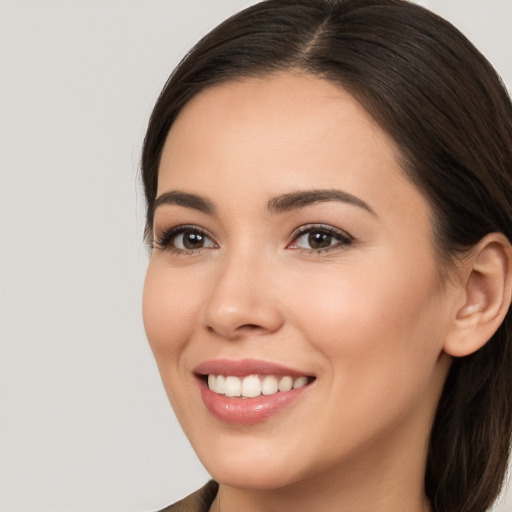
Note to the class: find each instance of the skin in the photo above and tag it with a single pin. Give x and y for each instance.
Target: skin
(368, 318)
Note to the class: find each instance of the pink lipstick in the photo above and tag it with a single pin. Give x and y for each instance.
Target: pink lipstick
(247, 391)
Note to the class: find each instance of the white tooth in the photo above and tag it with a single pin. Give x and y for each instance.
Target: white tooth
(211, 381)
(233, 386)
(300, 382)
(285, 384)
(251, 386)
(220, 385)
(269, 385)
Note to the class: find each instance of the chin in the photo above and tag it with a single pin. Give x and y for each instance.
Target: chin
(257, 469)
(264, 478)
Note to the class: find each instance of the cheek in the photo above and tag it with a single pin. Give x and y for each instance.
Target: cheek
(169, 311)
(372, 321)
(380, 338)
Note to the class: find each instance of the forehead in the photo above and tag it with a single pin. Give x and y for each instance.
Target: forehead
(288, 123)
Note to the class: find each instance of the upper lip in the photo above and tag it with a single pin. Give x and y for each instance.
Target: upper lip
(242, 367)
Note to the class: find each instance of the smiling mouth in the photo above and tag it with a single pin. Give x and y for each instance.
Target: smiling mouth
(253, 386)
(248, 391)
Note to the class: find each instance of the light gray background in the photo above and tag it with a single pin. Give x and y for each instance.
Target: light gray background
(84, 422)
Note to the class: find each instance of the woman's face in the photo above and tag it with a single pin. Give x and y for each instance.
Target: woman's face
(290, 248)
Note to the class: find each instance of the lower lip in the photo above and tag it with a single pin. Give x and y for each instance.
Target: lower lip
(247, 411)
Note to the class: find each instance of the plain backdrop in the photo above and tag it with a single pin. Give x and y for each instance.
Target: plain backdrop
(84, 422)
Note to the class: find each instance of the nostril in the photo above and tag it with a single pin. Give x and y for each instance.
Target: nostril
(232, 320)
(247, 328)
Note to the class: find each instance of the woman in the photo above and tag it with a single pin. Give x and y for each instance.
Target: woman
(328, 190)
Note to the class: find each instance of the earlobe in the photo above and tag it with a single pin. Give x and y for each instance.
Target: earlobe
(487, 296)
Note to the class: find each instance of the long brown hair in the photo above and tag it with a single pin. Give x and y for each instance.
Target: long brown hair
(451, 117)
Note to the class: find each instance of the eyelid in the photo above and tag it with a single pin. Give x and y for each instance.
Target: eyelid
(343, 237)
(162, 241)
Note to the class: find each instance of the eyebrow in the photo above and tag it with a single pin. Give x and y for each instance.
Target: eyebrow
(185, 199)
(279, 204)
(300, 199)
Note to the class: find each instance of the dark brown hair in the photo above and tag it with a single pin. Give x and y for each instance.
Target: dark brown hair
(451, 117)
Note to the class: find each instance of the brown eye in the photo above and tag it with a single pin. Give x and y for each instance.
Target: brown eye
(189, 240)
(318, 240)
(184, 239)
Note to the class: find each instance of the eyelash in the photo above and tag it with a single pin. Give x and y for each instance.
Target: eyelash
(343, 238)
(166, 239)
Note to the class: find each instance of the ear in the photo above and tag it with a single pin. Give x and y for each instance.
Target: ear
(487, 280)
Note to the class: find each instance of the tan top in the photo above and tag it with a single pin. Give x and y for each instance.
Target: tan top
(199, 501)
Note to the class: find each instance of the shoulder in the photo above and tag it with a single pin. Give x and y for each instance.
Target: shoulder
(199, 501)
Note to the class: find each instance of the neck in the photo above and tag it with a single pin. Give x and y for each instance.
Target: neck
(232, 500)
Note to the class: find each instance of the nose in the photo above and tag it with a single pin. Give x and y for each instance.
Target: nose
(242, 301)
